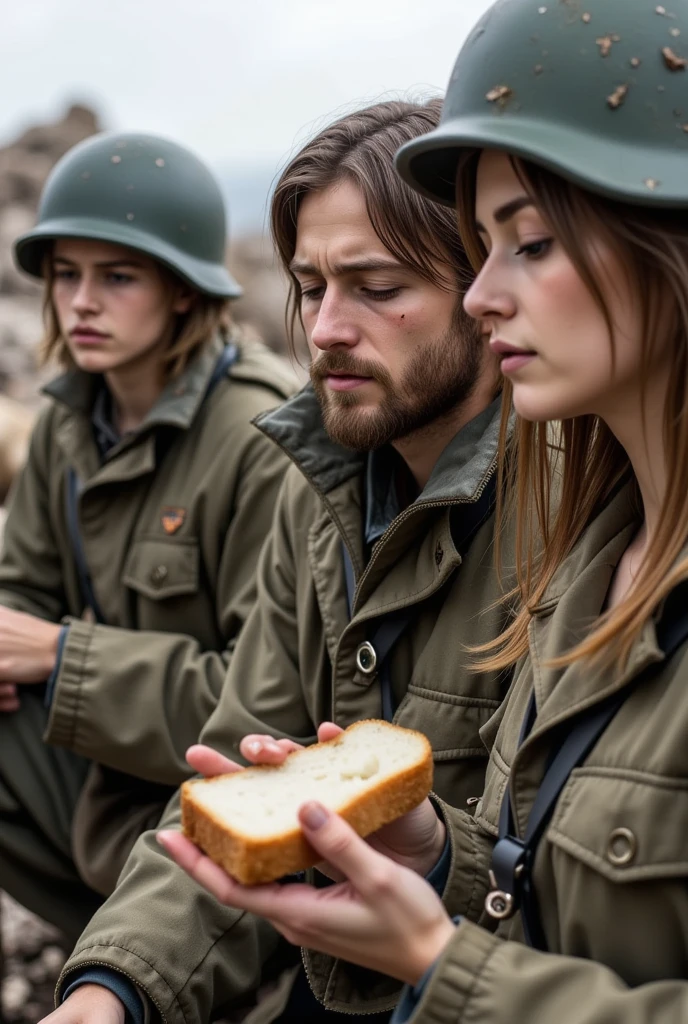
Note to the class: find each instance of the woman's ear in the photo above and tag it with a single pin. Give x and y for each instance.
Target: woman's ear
(183, 298)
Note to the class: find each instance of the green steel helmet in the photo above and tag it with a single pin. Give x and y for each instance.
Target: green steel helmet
(594, 90)
(140, 191)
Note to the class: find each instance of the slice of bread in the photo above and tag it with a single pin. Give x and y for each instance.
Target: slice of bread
(247, 821)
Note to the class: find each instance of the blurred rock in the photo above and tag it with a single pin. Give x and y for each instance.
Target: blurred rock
(254, 264)
(26, 162)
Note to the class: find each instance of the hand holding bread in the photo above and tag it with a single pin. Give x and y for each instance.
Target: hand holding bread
(383, 916)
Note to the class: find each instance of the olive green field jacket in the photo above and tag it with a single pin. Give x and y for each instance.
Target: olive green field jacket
(294, 666)
(171, 544)
(611, 872)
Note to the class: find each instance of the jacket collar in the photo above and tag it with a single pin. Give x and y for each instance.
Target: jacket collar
(459, 474)
(177, 405)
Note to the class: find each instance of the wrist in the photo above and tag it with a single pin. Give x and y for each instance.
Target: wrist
(432, 944)
(50, 645)
(98, 999)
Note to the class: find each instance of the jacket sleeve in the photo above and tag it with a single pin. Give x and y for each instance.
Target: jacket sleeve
(30, 564)
(179, 945)
(481, 977)
(101, 710)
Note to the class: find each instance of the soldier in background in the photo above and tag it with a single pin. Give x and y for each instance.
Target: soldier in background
(133, 532)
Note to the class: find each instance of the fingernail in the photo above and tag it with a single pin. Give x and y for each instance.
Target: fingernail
(255, 747)
(314, 815)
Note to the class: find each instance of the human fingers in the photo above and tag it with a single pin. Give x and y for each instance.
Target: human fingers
(328, 731)
(261, 749)
(9, 698)
(209, 762)
(340, 847)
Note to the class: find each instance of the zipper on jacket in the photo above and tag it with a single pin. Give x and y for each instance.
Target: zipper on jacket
(351, 1013)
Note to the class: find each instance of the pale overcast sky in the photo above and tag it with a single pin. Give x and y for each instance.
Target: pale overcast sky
(242, 82)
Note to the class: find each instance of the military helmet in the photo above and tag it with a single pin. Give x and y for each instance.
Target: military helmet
(140, 191)
(594, 90)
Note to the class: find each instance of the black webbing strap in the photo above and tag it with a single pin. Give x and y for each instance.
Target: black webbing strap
(227, 358)
(465, 521)
(513, 858)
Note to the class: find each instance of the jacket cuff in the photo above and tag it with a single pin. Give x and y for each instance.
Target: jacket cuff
(120, 986)
(66, 695)
(450, 986)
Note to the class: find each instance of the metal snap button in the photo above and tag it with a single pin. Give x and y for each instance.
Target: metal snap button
(158, 575)
(366, 658)
(622, 847)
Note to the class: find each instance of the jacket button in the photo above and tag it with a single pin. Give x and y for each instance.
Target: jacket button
(158, 575)
(366, 658)
(622, 847)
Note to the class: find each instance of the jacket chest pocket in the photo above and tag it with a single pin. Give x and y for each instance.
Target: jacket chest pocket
(618, 852)
(159, 569)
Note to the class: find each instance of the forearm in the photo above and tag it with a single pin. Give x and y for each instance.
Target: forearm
(134, 701)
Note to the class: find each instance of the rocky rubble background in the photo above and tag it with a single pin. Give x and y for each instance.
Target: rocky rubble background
(33, 952)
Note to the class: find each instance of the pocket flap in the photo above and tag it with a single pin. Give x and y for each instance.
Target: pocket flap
(628, 825)
(162, 568)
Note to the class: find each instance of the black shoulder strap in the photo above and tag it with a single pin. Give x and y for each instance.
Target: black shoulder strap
(465, 521)
(513, 858)
(227, 358)
(88, 596)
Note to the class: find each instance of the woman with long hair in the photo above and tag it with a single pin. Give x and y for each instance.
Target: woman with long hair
(564, 143)
(133, 532)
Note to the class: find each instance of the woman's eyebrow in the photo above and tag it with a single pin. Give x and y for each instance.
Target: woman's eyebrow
(504, 213)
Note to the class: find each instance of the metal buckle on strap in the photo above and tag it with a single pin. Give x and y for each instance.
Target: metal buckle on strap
(508, 866)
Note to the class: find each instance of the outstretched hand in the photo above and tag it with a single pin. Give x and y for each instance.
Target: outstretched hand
(383, 916)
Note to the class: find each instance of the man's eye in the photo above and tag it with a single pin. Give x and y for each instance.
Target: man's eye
(312, 293)
(381, 294)
(535, 250)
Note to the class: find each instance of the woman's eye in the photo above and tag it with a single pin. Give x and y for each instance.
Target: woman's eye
(535, 250)
(381, 294)
(115, 278)
(64, 275)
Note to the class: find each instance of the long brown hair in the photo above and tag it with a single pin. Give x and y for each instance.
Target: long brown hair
(207, 317)
(580, 457)
(361, 147)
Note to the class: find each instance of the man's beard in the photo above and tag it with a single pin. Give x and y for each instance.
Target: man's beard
(440, 377)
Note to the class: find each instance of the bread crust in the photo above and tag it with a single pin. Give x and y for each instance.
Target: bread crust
(253, 861)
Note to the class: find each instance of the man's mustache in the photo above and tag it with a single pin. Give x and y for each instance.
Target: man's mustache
(343, 363)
